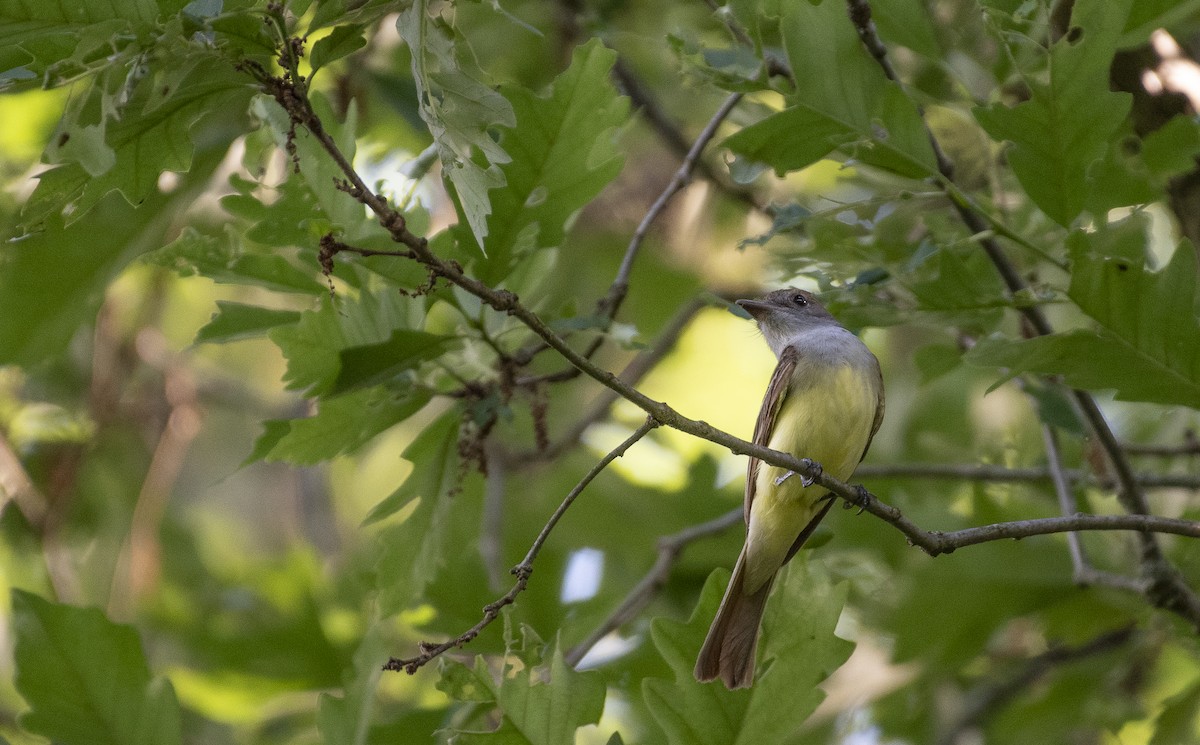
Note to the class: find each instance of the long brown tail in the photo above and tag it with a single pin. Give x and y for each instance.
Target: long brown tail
(728, 651)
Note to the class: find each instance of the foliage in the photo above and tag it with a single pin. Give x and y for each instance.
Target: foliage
(257, 436)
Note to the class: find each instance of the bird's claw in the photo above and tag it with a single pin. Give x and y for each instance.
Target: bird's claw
(785, 477)
(814, 468)
(864, 498)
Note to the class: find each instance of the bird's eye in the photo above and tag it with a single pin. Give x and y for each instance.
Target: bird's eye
(799, 300)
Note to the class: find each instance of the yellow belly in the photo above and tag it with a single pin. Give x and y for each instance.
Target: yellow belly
(827, 416)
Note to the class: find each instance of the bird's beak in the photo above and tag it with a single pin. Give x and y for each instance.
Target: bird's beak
(756, 308)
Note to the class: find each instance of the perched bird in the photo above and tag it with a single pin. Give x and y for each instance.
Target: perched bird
(824, 403)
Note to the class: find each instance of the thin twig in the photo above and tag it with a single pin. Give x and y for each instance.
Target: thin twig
(612, 300)
(683, 176)
(522, 571)
(671, 135)
(16, 485)
(669, 549)
(1084, 574)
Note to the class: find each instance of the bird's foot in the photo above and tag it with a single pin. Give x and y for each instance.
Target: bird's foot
(785, 477)
(814, 468)
(864, 498)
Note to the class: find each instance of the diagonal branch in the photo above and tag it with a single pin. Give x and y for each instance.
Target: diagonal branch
(522, 571)
(1084, 573)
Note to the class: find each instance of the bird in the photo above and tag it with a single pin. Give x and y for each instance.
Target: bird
(824, 403)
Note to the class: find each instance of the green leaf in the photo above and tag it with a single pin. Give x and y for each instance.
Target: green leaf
(459, 108)
(412, 549)
(225, 260)
(58, 41)
(1145, 16)
(837, 79)
(62, 273)
(319, 175)
(1065, 125)
(342, 41)
(313, 345)
(341, 425)
(791, 139)
(144, 142)
(908, 23)
(1151, 315)
(372, 364)
(1074, 355)
(563, 153)
(86, 678)
(798, 650)
(537, 708)
(235, 321)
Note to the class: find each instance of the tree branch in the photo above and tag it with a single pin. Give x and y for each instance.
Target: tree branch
(522, 571)
(1084, 573)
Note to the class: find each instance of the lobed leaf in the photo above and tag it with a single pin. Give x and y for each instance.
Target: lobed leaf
(459, 108)
(236, 321)
(563, 153)
(1147, 347)
(535, 709)
(1064, 127)
(340, 425)
(86, 678)
(798, 650)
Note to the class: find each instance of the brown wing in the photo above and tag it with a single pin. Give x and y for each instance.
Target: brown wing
(879, 405)
(765, 425)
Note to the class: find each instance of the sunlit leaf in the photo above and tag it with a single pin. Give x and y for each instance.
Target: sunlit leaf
(225, 260)
(145, 143)
(458, 107)
(234, 321)
(563, 153)
(343, 41)
(341, 425)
